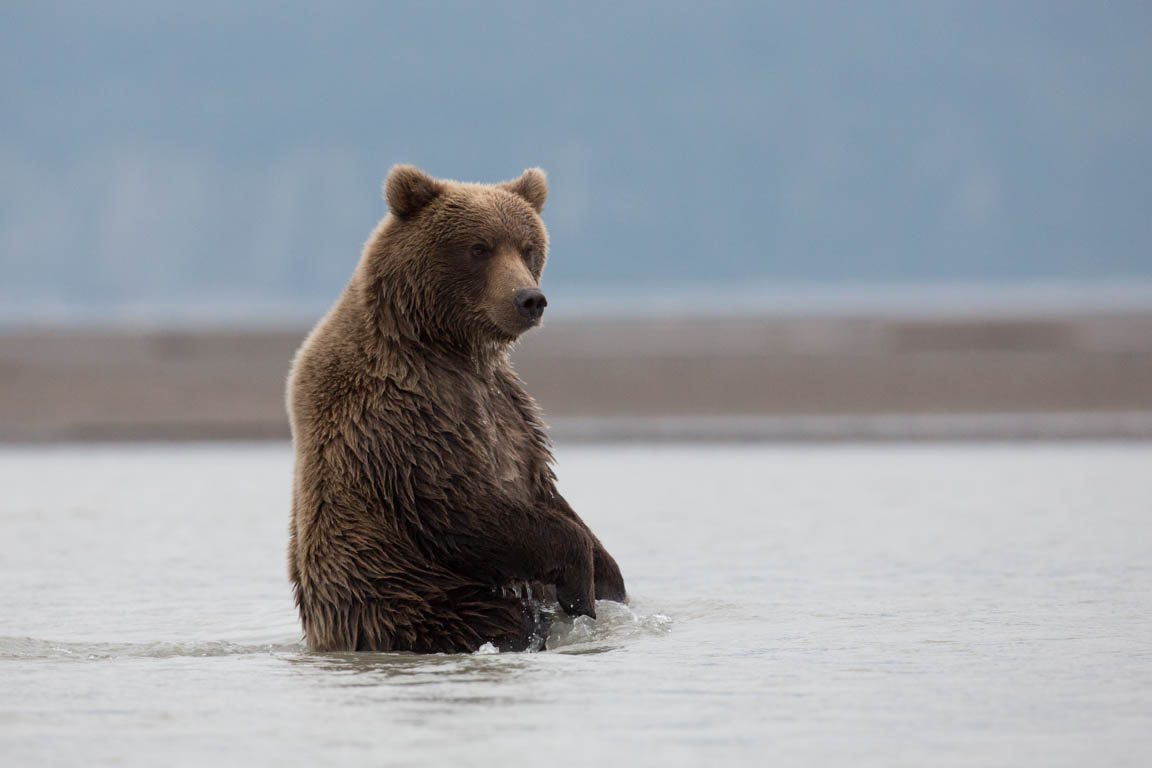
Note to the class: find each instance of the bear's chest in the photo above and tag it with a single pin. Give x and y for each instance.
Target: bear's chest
(465, 435)
(500, 439)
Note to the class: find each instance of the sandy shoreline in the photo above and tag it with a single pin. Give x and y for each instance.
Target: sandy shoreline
(745, 378)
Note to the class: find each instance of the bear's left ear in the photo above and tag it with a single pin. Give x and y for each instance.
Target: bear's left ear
(532, 186)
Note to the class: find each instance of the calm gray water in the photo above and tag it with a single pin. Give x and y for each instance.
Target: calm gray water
(879, 606)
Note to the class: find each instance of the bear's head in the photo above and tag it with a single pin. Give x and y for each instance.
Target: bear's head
(459, 263)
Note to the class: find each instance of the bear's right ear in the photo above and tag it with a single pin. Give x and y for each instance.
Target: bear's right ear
(408, 189)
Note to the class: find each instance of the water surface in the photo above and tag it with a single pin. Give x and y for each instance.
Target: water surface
(884, 605)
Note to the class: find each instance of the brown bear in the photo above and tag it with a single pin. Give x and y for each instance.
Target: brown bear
(423, 494)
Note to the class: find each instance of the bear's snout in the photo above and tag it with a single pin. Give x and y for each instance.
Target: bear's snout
(530, 303)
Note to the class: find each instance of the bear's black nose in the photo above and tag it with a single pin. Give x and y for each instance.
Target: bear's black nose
(530, 303)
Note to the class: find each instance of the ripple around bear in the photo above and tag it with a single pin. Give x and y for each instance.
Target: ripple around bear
(423, 484)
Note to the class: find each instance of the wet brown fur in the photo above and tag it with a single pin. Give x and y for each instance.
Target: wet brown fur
(423, 482)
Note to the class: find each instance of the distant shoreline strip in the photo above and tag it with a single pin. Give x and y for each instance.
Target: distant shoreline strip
(812, 428)
(887, 427)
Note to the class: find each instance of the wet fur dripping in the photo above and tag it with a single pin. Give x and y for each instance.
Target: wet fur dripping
(423, 482)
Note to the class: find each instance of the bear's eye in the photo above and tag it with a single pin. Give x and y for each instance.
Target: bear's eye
(481, 251)
(530, 254)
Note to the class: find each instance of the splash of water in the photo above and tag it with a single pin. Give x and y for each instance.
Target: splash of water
(615, 623)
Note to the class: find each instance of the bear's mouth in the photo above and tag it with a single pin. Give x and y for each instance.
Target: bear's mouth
(511, 325)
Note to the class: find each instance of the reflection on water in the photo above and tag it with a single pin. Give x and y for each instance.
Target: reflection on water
(822, 605)
(615, 625)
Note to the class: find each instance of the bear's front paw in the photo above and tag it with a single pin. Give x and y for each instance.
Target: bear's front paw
(577, 599)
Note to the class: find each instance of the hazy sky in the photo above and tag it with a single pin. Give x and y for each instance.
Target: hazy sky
(190, 153)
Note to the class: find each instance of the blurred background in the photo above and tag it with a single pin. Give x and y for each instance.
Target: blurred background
(769, 221)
